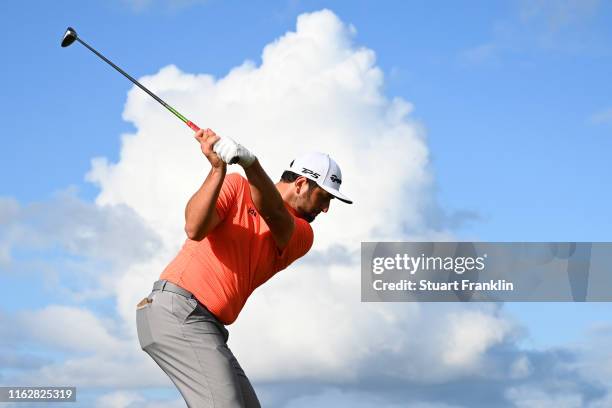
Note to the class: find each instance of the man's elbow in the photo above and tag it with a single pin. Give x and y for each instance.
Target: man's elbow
(193, 233)
(274, 212)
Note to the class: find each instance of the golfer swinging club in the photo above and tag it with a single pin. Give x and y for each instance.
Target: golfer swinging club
(240, 233)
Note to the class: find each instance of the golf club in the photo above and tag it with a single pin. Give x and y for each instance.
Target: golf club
(71, 36)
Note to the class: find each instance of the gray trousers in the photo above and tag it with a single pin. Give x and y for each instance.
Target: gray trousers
(190, 345)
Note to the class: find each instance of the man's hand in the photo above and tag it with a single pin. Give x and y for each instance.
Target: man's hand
(228, 149)
(207, 139)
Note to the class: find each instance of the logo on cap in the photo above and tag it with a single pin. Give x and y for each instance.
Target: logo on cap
(335, 179)
(312, 173)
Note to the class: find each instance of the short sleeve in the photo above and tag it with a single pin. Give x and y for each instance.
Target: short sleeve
(230, 190)
(299, 244)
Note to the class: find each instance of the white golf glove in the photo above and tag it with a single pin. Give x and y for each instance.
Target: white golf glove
(227, 149)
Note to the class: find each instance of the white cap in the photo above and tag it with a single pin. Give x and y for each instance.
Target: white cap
(323, 170)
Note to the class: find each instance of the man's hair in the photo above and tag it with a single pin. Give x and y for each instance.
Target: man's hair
(290, 177)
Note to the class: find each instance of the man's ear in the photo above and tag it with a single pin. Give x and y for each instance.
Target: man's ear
(301, 184)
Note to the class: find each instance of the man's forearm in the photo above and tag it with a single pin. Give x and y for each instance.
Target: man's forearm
(264, 194)
(200, 210)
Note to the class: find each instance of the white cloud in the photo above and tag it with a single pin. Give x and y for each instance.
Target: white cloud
(328, 334)
(78, 228)
(119, 400)
(71, 329)
(314, 90)
(90, 245)
(521, 367)
(471, 334)
(529, 397)
(98, 351)
(601, 117)
(594, 357)
(131, 399)
(334, 398)
(604, 402)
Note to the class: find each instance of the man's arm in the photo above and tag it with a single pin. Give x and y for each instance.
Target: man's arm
(270, 205)
(200, 214)
(264, 194)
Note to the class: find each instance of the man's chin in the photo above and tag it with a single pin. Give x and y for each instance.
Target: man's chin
(308, 217)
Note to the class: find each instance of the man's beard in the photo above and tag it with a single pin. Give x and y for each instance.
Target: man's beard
(308, 217)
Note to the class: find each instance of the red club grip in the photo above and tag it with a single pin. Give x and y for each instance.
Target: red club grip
(193, 126)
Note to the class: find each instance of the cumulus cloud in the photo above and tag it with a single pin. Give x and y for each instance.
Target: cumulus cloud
(83, 349)
(594, 362)
(470, 334)
(314, 90)
(63, 327)
(80, 247)
(68, 223)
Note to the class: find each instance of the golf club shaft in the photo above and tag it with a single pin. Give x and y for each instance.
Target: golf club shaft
(189, 123)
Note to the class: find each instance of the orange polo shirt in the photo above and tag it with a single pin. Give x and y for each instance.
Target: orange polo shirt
(236, 257)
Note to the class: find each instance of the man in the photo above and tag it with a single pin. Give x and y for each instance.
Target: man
(240, 233)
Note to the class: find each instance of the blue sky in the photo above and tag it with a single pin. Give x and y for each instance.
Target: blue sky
(513, 98)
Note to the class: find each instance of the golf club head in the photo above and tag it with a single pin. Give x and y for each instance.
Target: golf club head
(69, 37)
